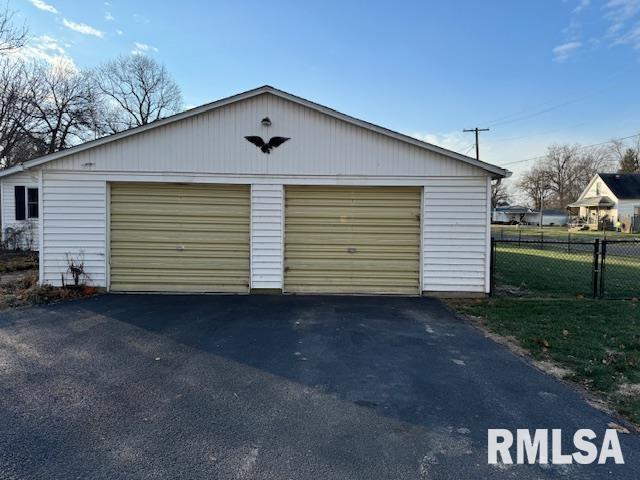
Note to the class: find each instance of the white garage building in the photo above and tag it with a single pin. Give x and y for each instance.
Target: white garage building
(188, 204)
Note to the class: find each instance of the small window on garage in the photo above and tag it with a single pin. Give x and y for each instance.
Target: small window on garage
(32, 203)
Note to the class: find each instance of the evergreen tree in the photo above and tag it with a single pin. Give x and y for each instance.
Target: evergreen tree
(629, 163)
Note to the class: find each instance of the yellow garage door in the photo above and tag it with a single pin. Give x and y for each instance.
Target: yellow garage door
(352, 239)
(179, 238)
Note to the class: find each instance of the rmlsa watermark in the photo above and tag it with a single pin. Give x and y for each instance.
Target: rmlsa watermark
(544, 448)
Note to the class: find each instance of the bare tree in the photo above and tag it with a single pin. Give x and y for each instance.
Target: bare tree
(567, 169)
(135, 91)
(63, 106)
(16, 106)
(11, 36)
(536, 186)
(561, 168)
(499, 193)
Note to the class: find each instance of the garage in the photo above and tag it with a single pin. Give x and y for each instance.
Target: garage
(352, 240)
(179, 238)
(262, 192)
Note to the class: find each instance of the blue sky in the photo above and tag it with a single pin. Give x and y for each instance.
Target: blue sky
(535, 72)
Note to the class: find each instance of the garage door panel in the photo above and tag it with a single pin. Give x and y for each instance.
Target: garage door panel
(183, 238)
(352, 239)
(342, 240)
(179, 238)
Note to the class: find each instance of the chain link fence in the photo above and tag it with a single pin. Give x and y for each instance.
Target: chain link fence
(554, 268)
(619, 275)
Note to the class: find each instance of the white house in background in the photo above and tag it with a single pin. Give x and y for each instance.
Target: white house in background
(510, 214)
(517, 214)
(610, 197)
(550, 217)
(326, 203)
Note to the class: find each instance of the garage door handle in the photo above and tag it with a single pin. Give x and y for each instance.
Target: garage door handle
(180, 248)
(352, 249)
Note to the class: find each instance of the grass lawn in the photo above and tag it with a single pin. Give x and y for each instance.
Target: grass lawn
(532, 232)
(597, 341)
(530, 271)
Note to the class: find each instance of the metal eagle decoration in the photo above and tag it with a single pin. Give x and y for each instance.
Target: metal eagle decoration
(266, 147)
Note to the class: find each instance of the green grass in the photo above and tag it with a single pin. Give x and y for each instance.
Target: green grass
(598, 341)
(530, 271)
(531, 232)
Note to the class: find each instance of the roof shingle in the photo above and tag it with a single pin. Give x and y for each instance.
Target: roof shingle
(623, 185)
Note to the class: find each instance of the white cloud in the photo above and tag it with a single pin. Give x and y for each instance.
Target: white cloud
(456, 141)
(48, 49)
(108, 17)
(40, 4)
(142, 48)
(581, 6)
(49, 44)
(624, 22)
(140, 19)
(562, 52)
(119, 32)
(82, 28)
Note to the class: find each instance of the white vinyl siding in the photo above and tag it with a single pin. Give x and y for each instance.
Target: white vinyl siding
(214, 142)
(455, 239)
(266, 236)
(28, 180)
(454, 226)
(74, 224)
(626, 208)
(210, 148)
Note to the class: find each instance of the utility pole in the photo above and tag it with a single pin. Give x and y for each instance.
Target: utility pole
(476, 130)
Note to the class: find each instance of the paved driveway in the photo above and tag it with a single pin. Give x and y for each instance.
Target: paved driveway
(142, 387)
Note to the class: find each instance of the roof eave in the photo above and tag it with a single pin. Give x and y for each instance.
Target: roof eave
(495, 171)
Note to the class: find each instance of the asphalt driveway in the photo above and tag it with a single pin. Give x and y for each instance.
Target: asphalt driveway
(151, 387)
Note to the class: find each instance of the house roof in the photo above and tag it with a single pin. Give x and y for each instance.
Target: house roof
(512, 209)
(600, 201)
(623, 185)
(496, 172)
(553, 211)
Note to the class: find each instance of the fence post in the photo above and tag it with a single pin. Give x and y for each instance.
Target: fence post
(596, 263)
(502, 233)
(519, 237)
(603, 259)
(492, 267)
(541, 240)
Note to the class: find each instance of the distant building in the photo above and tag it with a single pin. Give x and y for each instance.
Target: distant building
(550, 217)
(517, 214)
(610, 197)
(509, 214)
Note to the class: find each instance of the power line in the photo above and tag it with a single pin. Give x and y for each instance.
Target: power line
(581, 148)
(549, 106)
(544, 132)
(469, 148)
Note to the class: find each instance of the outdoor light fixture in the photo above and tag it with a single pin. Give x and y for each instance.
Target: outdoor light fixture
(266, 122)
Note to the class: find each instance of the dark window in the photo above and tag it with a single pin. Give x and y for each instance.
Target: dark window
(19, 192)
(32, 203)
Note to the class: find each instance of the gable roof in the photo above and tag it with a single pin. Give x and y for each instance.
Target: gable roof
(496, 172)
(623, 185)
(512, 209)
